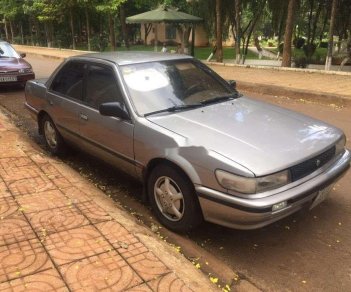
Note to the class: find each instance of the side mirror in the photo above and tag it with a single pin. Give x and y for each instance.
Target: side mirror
(23, 55)
(232, 84)
(113, 109)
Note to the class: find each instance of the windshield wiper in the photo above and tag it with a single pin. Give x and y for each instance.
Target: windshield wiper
(220, 98)
(175, 108)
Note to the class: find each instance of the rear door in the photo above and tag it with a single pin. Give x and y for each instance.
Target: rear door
(109, 138)
(65, 96)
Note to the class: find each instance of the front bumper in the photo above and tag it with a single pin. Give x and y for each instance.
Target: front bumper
(242, 213)
(21, 79)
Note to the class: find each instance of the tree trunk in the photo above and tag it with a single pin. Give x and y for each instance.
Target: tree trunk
(286, 62)
(147, 29)
(238, 31)
(6, 30)
(11, 30)
(72, 28)
(328, 60)
(122, 15)
(22, 36)
(31, 31)
(309, 28)
(323, 27)
(87, 19)
(219, 52)
(111, 22)
(314, 29)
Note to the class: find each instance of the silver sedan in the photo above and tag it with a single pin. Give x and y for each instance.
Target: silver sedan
(202, 150)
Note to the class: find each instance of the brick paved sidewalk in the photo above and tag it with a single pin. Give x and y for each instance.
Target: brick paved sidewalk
(59, 233)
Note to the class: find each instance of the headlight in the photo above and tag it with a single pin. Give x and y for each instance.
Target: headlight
(248, 185)
(26, 70)
(340, 145)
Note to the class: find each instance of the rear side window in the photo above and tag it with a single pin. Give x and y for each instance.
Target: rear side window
(69, 81)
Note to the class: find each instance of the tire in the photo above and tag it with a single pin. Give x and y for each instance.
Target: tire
(176, 205)
(53, 139)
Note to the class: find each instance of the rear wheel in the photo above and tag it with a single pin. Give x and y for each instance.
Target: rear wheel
(53, 139)
(173, 199)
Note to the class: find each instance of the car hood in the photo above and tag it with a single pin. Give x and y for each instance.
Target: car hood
(259, 136)
(11, 64)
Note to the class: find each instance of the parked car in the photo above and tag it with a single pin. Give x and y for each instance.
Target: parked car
(201, 149)
(14, 70)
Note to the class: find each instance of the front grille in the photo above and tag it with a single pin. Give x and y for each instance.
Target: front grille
(307, 167)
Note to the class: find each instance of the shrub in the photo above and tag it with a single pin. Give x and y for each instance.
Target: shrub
(323, 45)
(299, 43)
(309, 50)
(99, 42)
(301, 62)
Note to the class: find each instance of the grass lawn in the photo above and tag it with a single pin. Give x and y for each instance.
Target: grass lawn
(318, 56)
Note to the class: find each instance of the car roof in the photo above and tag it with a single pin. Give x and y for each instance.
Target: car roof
(132, 57)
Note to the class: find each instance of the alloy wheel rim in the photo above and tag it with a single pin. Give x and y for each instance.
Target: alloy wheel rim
(50, 134)
(169, 198)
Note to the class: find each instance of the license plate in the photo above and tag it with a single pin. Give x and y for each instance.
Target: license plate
(321, 196)
(8, 78)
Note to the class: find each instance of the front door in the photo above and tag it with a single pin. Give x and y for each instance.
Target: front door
(109, 138)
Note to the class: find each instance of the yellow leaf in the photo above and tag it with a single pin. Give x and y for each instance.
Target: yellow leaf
(197, 266)
(214, 280)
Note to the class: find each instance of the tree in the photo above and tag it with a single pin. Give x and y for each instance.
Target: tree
(286, 62)
(328, 60)
(110, 7)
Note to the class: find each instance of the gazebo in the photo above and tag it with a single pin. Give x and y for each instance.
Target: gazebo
(166, 14)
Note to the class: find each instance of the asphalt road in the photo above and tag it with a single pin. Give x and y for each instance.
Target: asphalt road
(309, 251)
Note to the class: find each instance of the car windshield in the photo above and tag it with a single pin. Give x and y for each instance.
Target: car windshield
(7, 51)
(173, 85)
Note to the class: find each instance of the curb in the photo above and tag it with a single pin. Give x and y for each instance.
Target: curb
(316, 71)
(297, 94)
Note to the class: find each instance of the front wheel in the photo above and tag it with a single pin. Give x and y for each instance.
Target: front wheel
(53, 139)
(173, 199)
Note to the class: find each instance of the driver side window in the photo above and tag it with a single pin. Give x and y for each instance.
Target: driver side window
(101, 86)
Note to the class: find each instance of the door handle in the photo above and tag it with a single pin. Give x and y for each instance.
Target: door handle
(51, 102)
(83, 117)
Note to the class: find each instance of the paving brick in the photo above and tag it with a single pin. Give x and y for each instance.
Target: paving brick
(75, 244)
(8, 207)
(31, 185)
(15, 229)
(75, 194)
(105, 272)
(170, 283)
(15, 173)
(48, 280)
(58, 219)
(70, 174)
(4, 191)
(55, 176)
(21, 259)
(122, 240)
(140, 288)
(148, 266)
(6, 163)
(94, 212)
(42, 201)
(37, 157)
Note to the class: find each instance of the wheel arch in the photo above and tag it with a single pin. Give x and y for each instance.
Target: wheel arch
(190, 176)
